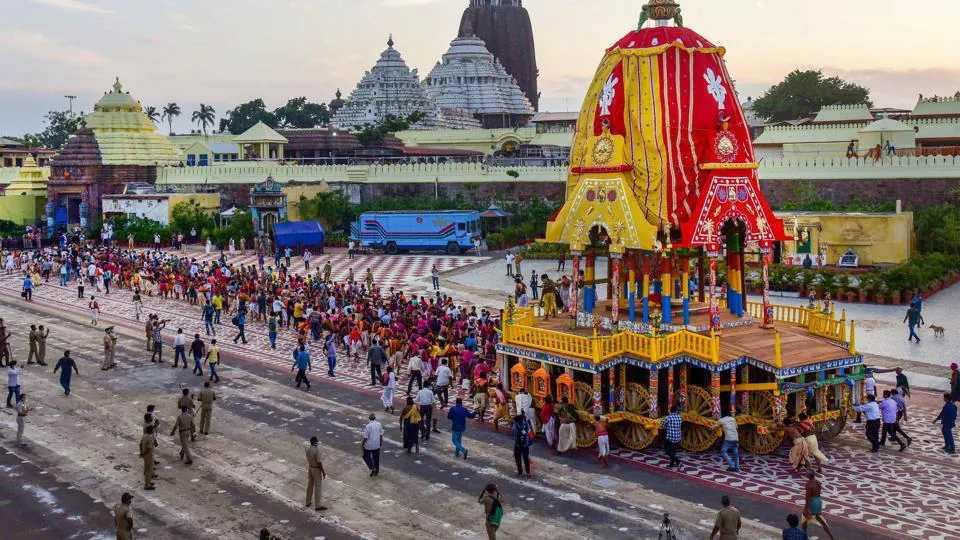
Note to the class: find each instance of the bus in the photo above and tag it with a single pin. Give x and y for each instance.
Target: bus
(453, 231)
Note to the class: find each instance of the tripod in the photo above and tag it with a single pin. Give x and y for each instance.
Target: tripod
(666, 529)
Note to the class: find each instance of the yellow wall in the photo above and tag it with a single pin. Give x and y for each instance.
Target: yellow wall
(876, 238)
(22, 209)
(209, 202)
(294, 193)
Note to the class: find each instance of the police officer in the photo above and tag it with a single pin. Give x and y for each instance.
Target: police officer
(207, 397)
(185, 428)
(42, 345)
(315, 475)
(123, 517)
(147, 446)
(33, 345)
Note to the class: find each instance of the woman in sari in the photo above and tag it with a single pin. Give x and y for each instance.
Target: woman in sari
(799, 451)
(410, 426)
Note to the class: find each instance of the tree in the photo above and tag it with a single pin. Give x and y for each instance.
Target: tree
(300, 113)
(170, 111)
(203, 116)
(245, 116)
(332, 208)
(802, 93)
(189, 215)
(152, 114)
(60, 126)
(370, 134)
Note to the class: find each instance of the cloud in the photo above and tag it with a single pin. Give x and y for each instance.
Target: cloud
(40, 47)
(899, 88)
(76, 5)
(409, 3)
(187, 27)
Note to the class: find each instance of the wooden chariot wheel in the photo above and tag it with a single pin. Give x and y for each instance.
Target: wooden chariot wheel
(697, 438)
(583, 401)
(760, 407)
(632, 434)
(828, 429)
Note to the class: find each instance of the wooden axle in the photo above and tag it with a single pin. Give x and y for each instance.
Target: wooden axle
(750, 387)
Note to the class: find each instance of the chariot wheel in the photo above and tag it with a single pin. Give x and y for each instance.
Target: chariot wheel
(760, 407)
(583, 401)
(632, 434)
(829, 429)
(697, 438)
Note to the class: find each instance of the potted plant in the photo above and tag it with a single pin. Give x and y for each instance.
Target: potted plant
(806, 282)
(826, 283)
(866, 285)
(843, 288)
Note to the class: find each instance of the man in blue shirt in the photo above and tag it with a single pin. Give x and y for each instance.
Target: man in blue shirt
(301, 361)
(794, 532)
(28, 289)
(458, 415)
(671, 424)
(948, 419)
(240, 320)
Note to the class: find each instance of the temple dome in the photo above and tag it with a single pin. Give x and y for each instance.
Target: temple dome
(125, 135)
(468, 77)
(389, 88)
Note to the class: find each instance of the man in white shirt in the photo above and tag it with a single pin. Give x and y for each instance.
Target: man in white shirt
(731, 443)
(13, 382)
(872, 411)
(509, 258)
(424, 401)
(524, 404)
(351, 246)
(372, 440)
(180, 348)
(443, 382)
(416, 372)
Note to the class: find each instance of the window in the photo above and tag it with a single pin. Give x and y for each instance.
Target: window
(191, 160)
(204, 160)
(461, 226)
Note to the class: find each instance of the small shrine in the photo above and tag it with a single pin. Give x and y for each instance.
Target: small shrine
(268, 206)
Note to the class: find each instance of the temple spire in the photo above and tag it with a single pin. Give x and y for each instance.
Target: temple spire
(117, 87)
(660, 11)
(390, 41)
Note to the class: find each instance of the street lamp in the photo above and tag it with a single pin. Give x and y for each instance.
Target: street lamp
(71, 98)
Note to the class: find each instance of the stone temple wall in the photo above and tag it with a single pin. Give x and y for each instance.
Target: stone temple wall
(914, 193)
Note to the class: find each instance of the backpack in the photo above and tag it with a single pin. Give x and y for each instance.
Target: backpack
(496, 514)
(235, 320)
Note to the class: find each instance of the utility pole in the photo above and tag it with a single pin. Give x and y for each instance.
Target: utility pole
(71, 98)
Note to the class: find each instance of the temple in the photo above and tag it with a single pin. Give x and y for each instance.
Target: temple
(662, 186)
(469, 78)
(389, 88)
(115, 144)
(504, 25)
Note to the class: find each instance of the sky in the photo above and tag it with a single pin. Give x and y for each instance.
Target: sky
(225, 52)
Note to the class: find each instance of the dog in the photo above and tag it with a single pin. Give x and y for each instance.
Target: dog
(937, 331)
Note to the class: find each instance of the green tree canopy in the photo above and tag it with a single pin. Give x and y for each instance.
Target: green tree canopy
(60, 125)
(372, 134)
(204, 116)
(189, 215)
(245, 116)
(802, 93)
(300, 113)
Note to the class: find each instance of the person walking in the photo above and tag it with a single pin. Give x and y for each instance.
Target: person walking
(458, 415)
(728, 521)
(730, 448)
(109, 349)
(903, 385)
(64, 366)
(375, 359)
(207, 314)
(562, 261)
(148, 443)
(809, 434)
(444, 376)
(799, 452)
(425, 400)
(671, 424)
(389, 383)
(603, 440)
(94, 308)
(913, 319)
(501, 406)
(240, 321)
(158, 327)
(22, 411)
(180, 348)
(197, 349)
(410, 420)
(301, 361)
(889, 414)
(415, 366)
(948, 420)
(435, 277)
(492, 502)
(13, 381)
(207, 397)
(371, 443)
(954, 380)
(521, 444)
(123, 517)
(185, 428)
(813, 504)
(213, 358)
(872, 411)
(315, 476)
(330, 347)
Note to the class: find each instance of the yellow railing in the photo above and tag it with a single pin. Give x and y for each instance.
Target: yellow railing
(548, 340)
(789, 314)
(824, 325)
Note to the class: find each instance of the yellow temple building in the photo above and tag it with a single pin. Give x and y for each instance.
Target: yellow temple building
(26, 194)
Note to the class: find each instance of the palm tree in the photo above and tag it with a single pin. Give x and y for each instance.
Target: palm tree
(152, 114)
(170, 111)
(204, 116)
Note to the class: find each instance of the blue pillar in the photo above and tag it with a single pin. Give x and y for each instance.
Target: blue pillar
(686, 311)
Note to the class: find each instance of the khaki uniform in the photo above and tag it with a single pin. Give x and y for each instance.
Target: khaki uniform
(185, 427)
(207, 397)
(149, 330)
(314, 478)
(123, 518)
(326, 272)
(109, 351)
(42, 347)
(186, 401)
(33, 347)
(147, 445)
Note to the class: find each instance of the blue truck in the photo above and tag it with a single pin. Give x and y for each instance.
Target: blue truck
(453, 231)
